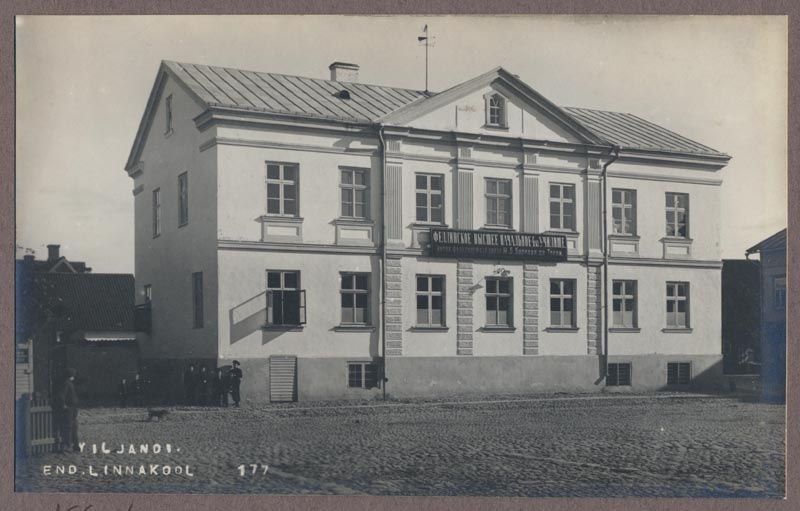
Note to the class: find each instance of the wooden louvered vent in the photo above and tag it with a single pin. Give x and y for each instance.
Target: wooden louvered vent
(282, 378)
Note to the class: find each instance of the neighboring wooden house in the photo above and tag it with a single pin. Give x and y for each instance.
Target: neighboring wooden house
(68, 317)
(772, 252)
(741, 320)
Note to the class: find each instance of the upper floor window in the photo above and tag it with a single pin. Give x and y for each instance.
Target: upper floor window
(183, 199)
(156, 212)
(779, 286)
(677, 304)
(168, 115)
(562, 303)
(496, 111)
(430, 300)
(430, 191)
(286, 302)
(197, 299)
(562, 207)
(355, 193)
(499, 302)
(623, 209)
(624, 303)
(355, 298)
(498, 202)
(282, 189)
(678, 215)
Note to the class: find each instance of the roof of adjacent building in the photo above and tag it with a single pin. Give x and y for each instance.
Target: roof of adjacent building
(775, 242)
(91, 301)
(316, 98)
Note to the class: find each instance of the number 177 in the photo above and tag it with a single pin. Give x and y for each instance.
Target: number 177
(252, 469)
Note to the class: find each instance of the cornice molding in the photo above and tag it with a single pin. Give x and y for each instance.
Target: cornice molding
(280, 145)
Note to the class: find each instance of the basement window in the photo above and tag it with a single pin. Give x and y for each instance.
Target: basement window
(362, 375)
(619, 375)
(679, 373)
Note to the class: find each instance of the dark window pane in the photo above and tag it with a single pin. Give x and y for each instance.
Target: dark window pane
(290, 280)
(273, 191)
(347, 282)
(617, 305)
(361, 211)
(347, 300)
(616, 197)
(436, 183)
(555, 287)
(422, 214)
(273, 206)
(569, 192)
(569, 287)
(273, 172)
(569, 304)
(361, 301)
(436, 302)
(422, 283)
(436, 283)
(362, 282)
(422, 200)
(289, 207)
(617, 288)
(436, 215)
(555, 191)
(289, 173)
(361, 178)
(422, 302)
(273, 280)
(289, 191)
(505, 286)
(504, 303)
(491, 186)
(555, 304)
(422, 183)
(436, 200)
(347, 177)
(491, 286)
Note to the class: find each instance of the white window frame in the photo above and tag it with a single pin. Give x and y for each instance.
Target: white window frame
(355, 292)
(353, 187)
(673, 206)
(502, 111)
(429, 294)
(562, 204)
(676, 298)
(428, 192)
(562, 296)
(497, 295)
(626, 207)
(498, 198)
(301, 316)
(627, 296)
(282, 183)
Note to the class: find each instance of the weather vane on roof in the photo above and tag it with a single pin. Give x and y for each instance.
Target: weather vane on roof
(427, 40)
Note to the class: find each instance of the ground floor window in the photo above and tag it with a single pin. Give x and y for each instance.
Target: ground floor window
(624, 303)
(619, 374)
(562, 303)
(286, 302)
(355, 298)
(677, 304)
(362, 375)
(679, 373)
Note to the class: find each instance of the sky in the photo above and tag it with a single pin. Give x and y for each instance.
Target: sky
(83, 82)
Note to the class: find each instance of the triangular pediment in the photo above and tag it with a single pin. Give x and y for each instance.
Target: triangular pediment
(465, 108)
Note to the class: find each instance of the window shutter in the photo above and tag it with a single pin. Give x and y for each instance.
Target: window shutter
(302, 307)
(270, 308)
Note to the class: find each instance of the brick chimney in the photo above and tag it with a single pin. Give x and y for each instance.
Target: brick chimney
(52, 253)
(344, 72)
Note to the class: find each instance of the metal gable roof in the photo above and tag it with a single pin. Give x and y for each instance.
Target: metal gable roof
(775, 242)
(270, 92)
(631, 132)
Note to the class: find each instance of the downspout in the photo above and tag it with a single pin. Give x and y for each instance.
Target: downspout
(384, 240)
(614, 157)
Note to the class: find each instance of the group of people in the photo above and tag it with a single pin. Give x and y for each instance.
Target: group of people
(131, 392)
(207, 388)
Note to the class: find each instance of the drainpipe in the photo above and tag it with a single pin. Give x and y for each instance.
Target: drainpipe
(384, 240)
(614, 157)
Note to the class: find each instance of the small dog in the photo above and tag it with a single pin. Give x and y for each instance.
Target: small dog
(158, 414)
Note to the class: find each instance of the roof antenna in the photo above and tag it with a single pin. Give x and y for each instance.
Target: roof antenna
(428, 40)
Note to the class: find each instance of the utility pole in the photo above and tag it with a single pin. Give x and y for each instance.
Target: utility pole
(428, 41)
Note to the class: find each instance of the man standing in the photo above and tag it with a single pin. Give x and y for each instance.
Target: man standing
(65, 403)
(190, 385)
(236, 380)
(203, 383)
(221, 388)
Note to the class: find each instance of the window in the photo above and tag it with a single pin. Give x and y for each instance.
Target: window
(430, 300)
(168, 115)
(355, 193)
(499, 300)
(624, 303)
(679, 373)
(496, 111)
(362, 375)
(355, 298)
(623, 211)
(22, 354)
(678, 215)
(156, 212)
(677, 304)
(286, 302)
(779, 286)
(197, 299)
(562, 303)
(429, 198)
(183, 199)
(618, 375)
(281, 189)
(498, 202)
(148, 293)
(562, 207)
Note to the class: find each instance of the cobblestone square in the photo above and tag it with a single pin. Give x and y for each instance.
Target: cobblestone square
(663, 445)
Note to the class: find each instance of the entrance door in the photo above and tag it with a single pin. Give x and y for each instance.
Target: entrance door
(282, 378)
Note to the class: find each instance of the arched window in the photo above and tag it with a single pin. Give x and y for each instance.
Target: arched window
(496, 111)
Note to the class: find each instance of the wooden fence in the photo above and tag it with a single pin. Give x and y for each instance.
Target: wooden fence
(35, 425)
